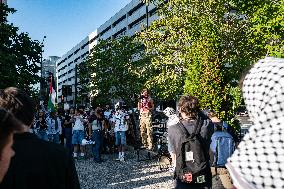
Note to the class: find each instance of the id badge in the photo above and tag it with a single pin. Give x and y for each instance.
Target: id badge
(189, 156)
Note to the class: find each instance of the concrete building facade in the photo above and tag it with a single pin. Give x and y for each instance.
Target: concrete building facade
(3, 1)
(128, 21)
(49, 66)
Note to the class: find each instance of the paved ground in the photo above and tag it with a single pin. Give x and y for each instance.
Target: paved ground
(129, 174)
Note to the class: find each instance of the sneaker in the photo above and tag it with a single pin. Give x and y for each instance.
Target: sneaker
(122, 159)
(75, 155)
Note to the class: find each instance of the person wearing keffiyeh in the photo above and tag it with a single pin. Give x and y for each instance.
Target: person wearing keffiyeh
(259, 160)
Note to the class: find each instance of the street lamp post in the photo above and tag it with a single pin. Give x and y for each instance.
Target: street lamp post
(41, 59)
(76, 85)
(147, 2)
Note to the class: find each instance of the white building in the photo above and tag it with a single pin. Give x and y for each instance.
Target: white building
(127, 21)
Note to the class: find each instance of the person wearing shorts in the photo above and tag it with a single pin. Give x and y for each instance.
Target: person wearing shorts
(120, 127)
(78, 134)
(120, 138)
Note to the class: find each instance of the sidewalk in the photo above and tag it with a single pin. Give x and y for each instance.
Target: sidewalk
(128, 174)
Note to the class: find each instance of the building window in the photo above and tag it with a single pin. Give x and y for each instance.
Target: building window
(118, 20)
(135, 8)
(137, 22)
(119, 33)
(83, 46)
(105, 30)
(153, 11)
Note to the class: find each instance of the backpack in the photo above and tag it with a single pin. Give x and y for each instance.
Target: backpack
(222, 145)
(192, 162)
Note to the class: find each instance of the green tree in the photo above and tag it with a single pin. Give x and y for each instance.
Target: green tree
(116, 69)
(18, 55)
(202, 47)
(266, 19)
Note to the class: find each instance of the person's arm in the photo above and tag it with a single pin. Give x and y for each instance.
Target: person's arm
(152, 105)
(59, 126)
(207, 131)
(139, 106)
(82, 120)
(67, 122)
(172, 138)
(90, 129)
(172, 143)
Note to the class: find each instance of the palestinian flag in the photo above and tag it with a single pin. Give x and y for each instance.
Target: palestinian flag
(52, 94)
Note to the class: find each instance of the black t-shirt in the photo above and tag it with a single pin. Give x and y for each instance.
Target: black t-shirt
(42, 125)
(40, 164)
(67, 118)
(206, 132)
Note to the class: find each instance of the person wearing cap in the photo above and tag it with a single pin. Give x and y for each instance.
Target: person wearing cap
(8, 125)
(119, 121)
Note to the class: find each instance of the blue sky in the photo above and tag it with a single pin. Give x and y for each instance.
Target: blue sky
(64, 22)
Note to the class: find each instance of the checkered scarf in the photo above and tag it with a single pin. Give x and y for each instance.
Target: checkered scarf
(259, 160)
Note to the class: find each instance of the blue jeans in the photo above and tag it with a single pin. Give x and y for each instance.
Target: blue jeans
(54, 138)
(78, 136)
(120, 138)
(42, 135)
(97, 137)
(68, 136)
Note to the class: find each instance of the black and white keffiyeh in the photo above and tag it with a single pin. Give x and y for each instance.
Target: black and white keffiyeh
(259, 160)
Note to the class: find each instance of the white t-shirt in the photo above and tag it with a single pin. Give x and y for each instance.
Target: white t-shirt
(78, 123)
(108, 114)
(119, 120)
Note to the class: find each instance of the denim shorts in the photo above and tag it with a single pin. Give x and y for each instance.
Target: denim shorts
(120, 138)
(77, 137)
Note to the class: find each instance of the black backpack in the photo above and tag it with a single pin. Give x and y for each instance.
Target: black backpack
(192, 162)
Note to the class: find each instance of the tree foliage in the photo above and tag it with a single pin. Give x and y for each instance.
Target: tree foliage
(201, 47)
(115, 69)
(266, 19)
(18, 55)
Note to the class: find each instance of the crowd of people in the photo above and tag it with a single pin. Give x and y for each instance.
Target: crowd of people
(103, 128)
(201, 147)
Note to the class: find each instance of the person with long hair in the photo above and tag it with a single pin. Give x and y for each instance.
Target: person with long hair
(95, 131)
